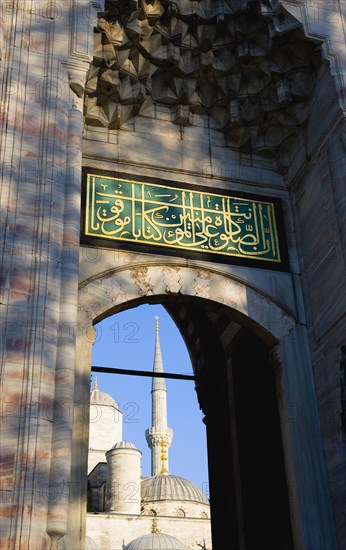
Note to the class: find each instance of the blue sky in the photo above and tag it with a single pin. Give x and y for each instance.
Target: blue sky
(126, 340)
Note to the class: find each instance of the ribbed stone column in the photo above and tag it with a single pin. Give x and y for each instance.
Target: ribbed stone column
(45, 55)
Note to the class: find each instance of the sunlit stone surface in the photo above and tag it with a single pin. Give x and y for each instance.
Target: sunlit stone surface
(242, 96)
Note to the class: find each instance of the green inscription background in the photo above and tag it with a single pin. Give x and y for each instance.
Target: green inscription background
(184, 219)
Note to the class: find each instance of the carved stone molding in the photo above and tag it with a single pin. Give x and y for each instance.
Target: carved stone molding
(275, 359)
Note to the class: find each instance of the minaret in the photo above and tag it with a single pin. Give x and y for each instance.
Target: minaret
(159, 433)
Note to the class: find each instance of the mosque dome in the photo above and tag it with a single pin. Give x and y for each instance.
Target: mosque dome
(124, 445)
(155, 541)
(170, 487)
(98, 397)
(90, 544)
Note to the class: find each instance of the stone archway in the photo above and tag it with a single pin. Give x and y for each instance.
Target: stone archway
(180, 287)
(42, 162)
(108, 291)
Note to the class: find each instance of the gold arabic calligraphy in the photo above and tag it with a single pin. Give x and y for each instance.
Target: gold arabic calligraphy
(180, 218)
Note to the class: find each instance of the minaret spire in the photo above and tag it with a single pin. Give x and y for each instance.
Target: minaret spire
(159, 433)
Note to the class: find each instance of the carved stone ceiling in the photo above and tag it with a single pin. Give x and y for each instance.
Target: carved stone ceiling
(241, 63)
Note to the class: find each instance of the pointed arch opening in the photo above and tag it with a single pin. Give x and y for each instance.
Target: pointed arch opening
(236, 389)
(146, 338)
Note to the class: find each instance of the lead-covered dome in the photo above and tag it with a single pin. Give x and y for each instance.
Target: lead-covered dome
(124, 445)
(156, 541)
(90, 544)
(170, 487)
(98, 397)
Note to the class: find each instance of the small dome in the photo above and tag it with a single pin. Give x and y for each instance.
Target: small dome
(155, 541)
(124, 445)
(98, 397)
(169, 487)
(90, 544)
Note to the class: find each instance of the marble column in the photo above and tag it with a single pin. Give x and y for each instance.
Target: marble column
(45, 51)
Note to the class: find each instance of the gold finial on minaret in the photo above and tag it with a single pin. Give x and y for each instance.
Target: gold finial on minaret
(96, 386)
(157, 324)
(163, 457)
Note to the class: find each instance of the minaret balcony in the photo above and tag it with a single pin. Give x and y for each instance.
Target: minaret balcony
(157, 434)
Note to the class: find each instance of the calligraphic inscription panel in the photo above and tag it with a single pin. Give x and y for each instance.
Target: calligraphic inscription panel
(185, 219)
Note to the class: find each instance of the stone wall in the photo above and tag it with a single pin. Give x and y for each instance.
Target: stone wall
(319, 197)
(110, 530)
(45, 53)
(46, 49)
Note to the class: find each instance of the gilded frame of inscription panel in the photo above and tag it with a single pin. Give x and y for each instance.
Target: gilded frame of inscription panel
(157, 216)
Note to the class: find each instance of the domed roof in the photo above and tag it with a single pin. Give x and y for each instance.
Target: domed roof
(169, 487)
(124, 445)
(90, 544)
(155, 541)
(98, 397)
